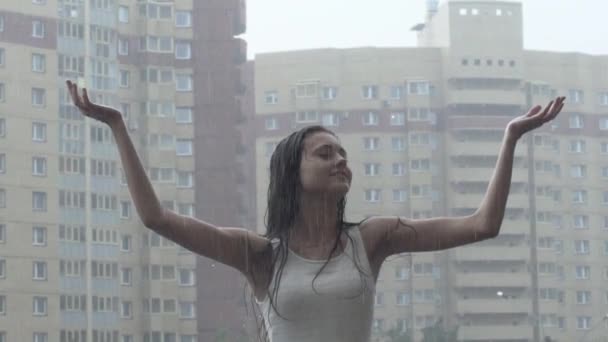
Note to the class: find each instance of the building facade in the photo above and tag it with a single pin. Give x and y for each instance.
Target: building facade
(423, 127)
(76, 263)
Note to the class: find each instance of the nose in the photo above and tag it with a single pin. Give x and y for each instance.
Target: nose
(341, 161)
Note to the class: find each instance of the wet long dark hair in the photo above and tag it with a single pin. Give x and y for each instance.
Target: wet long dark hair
(284, 192)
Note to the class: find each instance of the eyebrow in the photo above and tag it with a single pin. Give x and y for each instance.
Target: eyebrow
(340, 149)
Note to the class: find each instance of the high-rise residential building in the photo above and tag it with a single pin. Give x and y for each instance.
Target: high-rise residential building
(76, 263)
(423, 128)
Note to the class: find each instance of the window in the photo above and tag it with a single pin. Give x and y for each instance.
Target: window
(370, 119)
(579, 196)
(39, 271)
(2, 268)
(2, 305)
(38, 97)
(183, 115)
(2, 55)
(575, 96)
(125, 209)
(38, 201)
(307, 117)
(187, 310)
(399, 195)
(398, 119)
(581, 246)
(576, 121)
(123, 14)
(583, 272)
(185, 179)
(583, 322)
(271, 97)
(371, 169)
(2, 233)
(369, 92)
(123, 46)
(577, 146)
(186, 277)
(183, 82)
(418, 87)
(2, 92)
(330, 93)
(2, 198)
(39, 304)
(39, 2)
(396, 92)
(126, 276)
(38, 62)
(398, 169)
(39, 236)
(372, 195)
(126, 310)
(183, 50)
(306, 89)
(39, 166)
(371, 144)
(125, 245)
(578, 171)
(40, 337)
(38, 132)
(125, 77)
(398, 143)
(1, 23)
(184, 147)
(37, 29)
(183, 18)
(603, 98)
(581, 221)
(329, 119)
(271, 124)
(2, 163)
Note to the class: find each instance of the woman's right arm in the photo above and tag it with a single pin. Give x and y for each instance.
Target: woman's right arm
(234, 247)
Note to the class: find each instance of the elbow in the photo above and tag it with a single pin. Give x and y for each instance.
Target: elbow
(487, 228)
(154, 221)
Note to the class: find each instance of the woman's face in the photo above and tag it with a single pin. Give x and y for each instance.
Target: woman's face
(323, 168)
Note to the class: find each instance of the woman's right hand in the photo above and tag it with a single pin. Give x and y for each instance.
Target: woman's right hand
(104, 114)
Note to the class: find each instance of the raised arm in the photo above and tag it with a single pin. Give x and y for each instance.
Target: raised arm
(393, 235)
(234, 247)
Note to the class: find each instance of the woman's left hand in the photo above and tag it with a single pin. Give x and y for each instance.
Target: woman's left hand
(536, 117)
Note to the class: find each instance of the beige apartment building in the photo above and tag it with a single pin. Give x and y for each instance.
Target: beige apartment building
(423, 127)
(76, 263)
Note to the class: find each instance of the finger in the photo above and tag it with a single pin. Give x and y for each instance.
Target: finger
(533, 111)
(85, 96)
(547, 109)
(556, 111)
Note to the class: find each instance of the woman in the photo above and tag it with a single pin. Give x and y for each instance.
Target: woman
(306, 233)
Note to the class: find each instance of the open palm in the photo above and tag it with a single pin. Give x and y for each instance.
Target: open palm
(536, 117)
(101, 113)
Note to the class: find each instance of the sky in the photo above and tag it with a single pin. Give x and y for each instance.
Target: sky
(283, 25)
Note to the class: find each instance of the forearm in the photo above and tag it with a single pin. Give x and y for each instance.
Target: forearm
(492, 208)
(146, 203)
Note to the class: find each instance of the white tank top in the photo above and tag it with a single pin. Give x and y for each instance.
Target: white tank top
(341, 309)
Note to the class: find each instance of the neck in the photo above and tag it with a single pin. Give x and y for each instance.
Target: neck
(317, 221)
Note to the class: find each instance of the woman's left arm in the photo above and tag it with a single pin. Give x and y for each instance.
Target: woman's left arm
(394, 235)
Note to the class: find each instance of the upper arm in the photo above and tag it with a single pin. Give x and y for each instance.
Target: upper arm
(394, 235)
(235, 247)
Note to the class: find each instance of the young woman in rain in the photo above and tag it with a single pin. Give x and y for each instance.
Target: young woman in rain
(312, 274)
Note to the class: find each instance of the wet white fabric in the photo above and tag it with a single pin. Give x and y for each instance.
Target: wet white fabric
(339, 309)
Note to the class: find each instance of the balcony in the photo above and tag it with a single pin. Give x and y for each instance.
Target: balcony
(489, 332)
(486, 97)
(492, 253)
(494, 306)
(493, 279)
